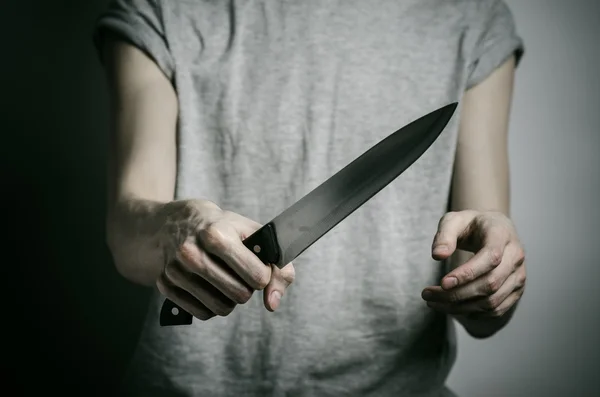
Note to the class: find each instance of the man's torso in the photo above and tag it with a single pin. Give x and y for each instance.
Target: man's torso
(275, 97)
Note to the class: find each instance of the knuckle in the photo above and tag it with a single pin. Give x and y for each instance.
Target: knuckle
(242, 296)
(195, 206)
(203, 315)
(184, 248)
(449, 216)
(212, 236)
(170, 273)
(495, 256)
(445, 219)
(490, 303)
(161, 285)
(224, 309)
(186, 253)
(191, 205)
(491, 286)
(199, 311)
(261, 279)
(188, 209)
(496, 313)
(469, 273)
(454, 297)
(520, 255)
(521, 279)
(200, 265)
(289, 274)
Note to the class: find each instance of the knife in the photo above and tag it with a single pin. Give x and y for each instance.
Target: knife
(289, 234)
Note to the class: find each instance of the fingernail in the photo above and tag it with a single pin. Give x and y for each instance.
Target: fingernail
(450, 282)
(426, 294)
(274, 299)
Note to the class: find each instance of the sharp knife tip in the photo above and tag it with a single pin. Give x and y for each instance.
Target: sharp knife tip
(450, 108)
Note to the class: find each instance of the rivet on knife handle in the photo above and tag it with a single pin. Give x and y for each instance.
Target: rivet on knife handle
(172, 314)
(264, 244)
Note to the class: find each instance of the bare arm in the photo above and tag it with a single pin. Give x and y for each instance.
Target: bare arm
(190, 249)
(481, 172)
(142, 159)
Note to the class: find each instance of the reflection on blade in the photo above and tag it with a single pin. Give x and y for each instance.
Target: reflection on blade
(302, 224)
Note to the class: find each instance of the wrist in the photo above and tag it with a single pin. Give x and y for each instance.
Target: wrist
(134, 229)
(485, 327)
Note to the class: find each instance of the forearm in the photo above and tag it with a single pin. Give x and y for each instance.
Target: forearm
(133, 229)
(481, 178)
(141, 161)
(141, 180)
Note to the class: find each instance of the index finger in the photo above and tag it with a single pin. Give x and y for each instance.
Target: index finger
(223, 242)
(484, 261)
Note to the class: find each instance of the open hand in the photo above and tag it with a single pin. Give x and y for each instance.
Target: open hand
(493, 280)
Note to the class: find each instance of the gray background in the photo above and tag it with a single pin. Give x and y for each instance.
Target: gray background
(70, 321)
(551, 347)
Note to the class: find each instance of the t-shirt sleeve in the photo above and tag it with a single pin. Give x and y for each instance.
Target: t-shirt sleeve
(498, 40)
(140, 23)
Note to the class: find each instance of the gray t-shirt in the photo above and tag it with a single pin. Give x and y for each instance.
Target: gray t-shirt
(275, 97)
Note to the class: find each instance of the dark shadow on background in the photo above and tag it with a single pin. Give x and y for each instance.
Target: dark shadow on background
(70, 321)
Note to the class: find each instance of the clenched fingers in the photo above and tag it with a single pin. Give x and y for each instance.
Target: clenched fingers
(476, 304)
(485, 285)
(489, 257)
(504, 307)
(495, 304)
(223, 241)
(215, 272)
(200, 289)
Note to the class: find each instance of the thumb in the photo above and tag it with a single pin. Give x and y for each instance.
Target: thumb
(280, 281)
(450, 228)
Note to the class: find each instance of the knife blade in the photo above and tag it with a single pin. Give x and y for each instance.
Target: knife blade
(293, 231)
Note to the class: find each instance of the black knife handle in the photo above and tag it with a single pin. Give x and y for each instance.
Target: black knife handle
(263, 243)
(172, 314)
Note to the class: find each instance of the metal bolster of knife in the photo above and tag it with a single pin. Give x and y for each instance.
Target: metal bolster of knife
(263, 243)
